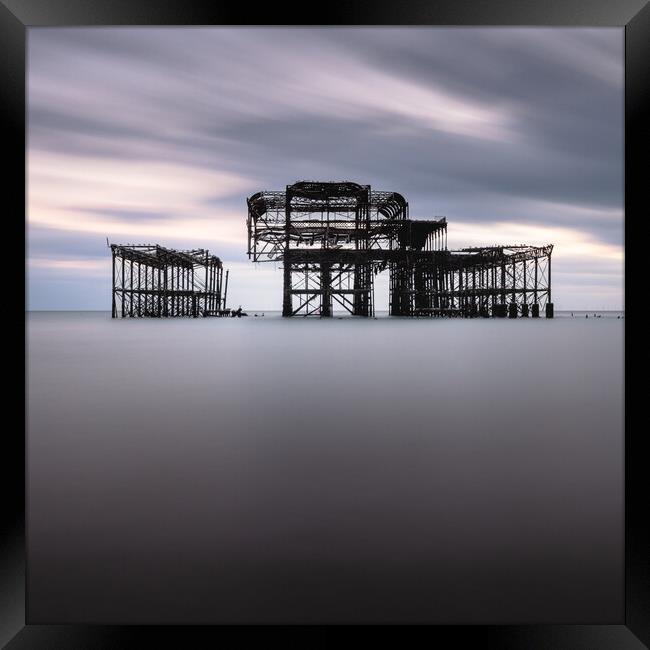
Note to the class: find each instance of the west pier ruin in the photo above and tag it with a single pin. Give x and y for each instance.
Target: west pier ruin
(150, 280)
(333, 238)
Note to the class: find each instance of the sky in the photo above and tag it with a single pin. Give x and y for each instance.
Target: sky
(158, 135)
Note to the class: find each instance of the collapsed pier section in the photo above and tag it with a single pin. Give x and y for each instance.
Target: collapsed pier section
(152, 281)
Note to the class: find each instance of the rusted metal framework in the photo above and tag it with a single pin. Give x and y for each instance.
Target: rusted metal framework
(153, 281)
(332, 238)
(486, 281)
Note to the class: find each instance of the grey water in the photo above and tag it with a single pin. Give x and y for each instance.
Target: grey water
(345, 470)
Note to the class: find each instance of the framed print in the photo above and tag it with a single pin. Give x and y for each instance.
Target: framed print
(326, 322)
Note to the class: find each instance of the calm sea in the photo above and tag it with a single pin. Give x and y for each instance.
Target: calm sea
(273, 470)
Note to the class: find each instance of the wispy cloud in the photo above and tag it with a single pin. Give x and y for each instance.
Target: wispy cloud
(159, 134)
(124, 198)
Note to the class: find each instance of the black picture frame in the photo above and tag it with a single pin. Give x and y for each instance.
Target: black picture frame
(17, 15)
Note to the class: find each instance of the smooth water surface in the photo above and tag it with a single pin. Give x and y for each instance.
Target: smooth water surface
(272, 470)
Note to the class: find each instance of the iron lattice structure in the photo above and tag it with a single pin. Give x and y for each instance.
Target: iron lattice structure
(332, 238)
(484, 281)
(153, 281)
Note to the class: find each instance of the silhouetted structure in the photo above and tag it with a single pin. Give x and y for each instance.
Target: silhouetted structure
(153, 281)
(333, 237)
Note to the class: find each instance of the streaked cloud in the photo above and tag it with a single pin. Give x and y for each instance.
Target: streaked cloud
(159, 134)
(94, 266)
(124, 198)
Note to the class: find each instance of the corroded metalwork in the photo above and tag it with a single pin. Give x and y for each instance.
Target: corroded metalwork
(332, 238)
(153, 281)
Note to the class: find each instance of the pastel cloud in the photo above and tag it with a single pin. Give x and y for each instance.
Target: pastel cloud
(159, 134)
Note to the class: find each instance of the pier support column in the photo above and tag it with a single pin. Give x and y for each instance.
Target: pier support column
(114, 305)
(400, 286)
(549, 310)
(421, 297)
(362, 290)
(287, 308)
(326, 288)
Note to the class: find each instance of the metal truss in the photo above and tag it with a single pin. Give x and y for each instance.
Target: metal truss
(491, 281)
(153, 281)
(315, 288)
(333, 237)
